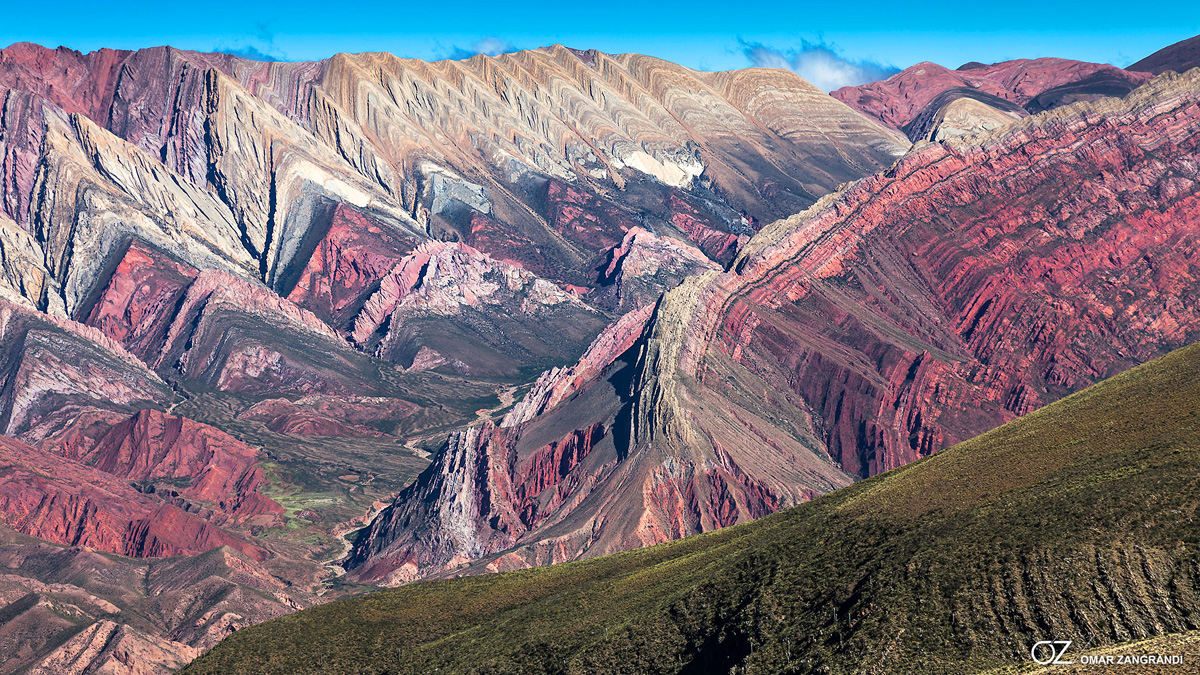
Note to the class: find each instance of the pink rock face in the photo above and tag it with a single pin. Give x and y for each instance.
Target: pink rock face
(148, 97)
(527, 492)
(75, 82)
(448, 303)
(174, 316)
(353, 255)
(216, 335)
(645, 265)
(899, 100)
(716, 243)
(232, 334)
(154, 446)
(557, 384)
(445, 278)
(583, 217)
(136, 306)
(64, 501)
(51, 362)
(1021, 267)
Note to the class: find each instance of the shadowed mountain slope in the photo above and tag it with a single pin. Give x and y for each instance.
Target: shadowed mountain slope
(1074, 521)
(1179, 57)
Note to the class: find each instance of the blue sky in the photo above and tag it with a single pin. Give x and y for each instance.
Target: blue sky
(829, 41)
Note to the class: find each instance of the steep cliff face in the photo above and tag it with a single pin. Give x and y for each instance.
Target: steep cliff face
(347, 264)
(51, 363)
(331, 416)
(577, 469)
(223, 332)
(974, 281)
(646, 264)
(927, 101)
(449, 304)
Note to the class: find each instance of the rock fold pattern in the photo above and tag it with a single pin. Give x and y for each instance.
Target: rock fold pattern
(975, 280)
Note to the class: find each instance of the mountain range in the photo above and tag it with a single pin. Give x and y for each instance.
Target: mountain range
(274, 334)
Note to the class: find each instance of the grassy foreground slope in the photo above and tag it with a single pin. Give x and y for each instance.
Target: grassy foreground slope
(1078, 521)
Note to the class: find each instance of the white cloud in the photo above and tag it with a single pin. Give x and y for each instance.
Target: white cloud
(490, 46)
(818, 62)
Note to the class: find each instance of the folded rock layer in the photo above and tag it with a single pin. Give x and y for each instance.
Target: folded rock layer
(974, 281)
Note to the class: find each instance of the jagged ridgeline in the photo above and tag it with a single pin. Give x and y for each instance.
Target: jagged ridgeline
(1074, 522)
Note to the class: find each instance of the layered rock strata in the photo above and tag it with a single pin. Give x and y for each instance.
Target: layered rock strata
(974, 281)
(927, 101)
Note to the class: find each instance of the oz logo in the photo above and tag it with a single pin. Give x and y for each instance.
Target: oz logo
(1048, 652)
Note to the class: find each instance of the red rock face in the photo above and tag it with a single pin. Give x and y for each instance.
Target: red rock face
(1027, 85)
(64, 501)
(50, 363)
(582, 217)
(1023, 267)
(153, 446)
(24, 133)
(136, 306)
(503, 244)
(542, 488)
(350, 259)
(543, 483)
(229, 333)
(448, 304)
(716, 242)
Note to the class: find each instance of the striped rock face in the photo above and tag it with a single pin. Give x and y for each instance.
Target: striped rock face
(242, 303)
(974, 281)
(522, 309)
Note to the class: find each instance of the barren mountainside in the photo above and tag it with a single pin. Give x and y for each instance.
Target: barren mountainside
(930, 102)
(973, 282)
(243, 303)
(276, 333)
